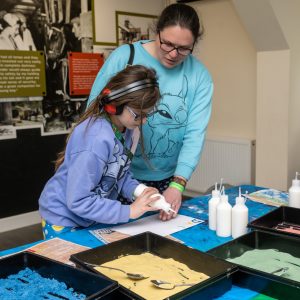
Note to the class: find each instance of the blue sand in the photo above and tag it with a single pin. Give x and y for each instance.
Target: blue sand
(28, 284)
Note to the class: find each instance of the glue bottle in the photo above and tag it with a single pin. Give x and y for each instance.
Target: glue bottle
(239, 216)
(212, 208)
(224, 216)
(161, 203)
(294, 192)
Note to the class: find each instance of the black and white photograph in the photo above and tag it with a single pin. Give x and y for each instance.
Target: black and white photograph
(55, 27)
(133, 27)
(27, 114)
(7, 132)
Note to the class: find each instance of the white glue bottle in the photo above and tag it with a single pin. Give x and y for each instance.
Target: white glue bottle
(224, 216)
(294, 192)
(161, 203)
(239, 216)
(212, 208)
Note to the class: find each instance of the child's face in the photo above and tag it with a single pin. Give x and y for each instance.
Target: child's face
(131, 117)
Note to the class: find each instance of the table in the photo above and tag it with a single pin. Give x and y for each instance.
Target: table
(198, 237)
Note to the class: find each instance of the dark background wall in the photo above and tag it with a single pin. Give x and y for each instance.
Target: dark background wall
(26, 163)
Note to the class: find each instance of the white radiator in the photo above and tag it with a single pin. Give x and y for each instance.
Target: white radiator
(230, 159)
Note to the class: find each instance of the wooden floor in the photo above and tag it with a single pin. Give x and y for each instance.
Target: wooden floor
(21, 236)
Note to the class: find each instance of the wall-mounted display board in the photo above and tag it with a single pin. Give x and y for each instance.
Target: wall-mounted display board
(22, 73)
(35, 39)
(83, 69)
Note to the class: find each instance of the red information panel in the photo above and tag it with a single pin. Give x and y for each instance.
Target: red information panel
(83, 69)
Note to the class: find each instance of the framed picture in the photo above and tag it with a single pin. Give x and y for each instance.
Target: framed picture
(104, 17)
(132, 27)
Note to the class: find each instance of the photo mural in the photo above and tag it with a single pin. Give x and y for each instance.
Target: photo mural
(36, 37)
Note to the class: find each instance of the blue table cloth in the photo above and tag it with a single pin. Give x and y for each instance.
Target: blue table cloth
(198, 237)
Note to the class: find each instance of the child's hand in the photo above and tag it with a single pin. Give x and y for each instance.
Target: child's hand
(143, 202)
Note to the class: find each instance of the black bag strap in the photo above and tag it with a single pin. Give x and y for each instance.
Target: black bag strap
(131, 56)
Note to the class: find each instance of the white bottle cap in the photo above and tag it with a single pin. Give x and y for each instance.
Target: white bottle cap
(161, 203)
(165, 206)
(224, 198)
(296, 182)
(239, 200)
(215, 193)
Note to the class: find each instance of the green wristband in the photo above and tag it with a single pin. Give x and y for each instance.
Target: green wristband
(177, 186)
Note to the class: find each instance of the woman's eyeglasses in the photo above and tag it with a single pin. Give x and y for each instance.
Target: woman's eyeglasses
(139, 117)
(169, 47)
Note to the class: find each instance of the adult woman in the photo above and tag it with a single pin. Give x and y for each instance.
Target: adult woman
(175, 134)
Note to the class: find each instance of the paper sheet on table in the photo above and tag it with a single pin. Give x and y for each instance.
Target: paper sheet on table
(269, 197)
(154, 224)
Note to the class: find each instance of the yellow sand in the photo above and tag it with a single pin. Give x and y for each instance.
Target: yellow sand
(156, 268)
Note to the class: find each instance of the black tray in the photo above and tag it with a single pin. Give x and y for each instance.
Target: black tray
(275, 217)
(92, 285)
(265, 285)
(255, 282)
(260, 240)
(217, 269)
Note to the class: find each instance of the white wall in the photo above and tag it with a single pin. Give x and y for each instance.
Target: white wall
(230, 56)
(288, 14)
(274, 25)
(247, 41)
(273, 86)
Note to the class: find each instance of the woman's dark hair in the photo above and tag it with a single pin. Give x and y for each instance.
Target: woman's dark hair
(145, 98)
(182, 15)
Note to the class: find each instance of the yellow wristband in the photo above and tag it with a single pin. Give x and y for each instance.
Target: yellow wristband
(177, 186)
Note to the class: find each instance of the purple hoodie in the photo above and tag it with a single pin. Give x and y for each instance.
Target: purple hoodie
(85, 188)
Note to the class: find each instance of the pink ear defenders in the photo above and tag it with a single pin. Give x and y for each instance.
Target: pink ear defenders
(114, 95)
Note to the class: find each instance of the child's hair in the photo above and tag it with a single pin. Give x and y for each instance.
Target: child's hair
(145, 98)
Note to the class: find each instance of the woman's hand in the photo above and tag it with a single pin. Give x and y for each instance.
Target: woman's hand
(174, 197)
(142, 203)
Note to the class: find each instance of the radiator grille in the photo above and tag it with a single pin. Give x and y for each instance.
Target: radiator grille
(230, 159)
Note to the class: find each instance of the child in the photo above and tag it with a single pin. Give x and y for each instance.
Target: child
(93, 169)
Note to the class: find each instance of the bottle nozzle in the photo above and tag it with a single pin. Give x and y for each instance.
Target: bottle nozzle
(297, 173)
(221, 184)
(172, 210)
(223, 191)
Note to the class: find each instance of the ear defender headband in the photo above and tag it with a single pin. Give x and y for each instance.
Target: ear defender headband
(128, 89)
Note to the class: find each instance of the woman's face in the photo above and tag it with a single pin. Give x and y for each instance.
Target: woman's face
(173, 36)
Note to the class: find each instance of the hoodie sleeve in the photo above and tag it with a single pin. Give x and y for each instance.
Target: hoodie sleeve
(129, 186)
(199, 115)
(84, 175)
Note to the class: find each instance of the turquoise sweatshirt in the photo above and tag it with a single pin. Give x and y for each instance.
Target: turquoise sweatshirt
(174, 135)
